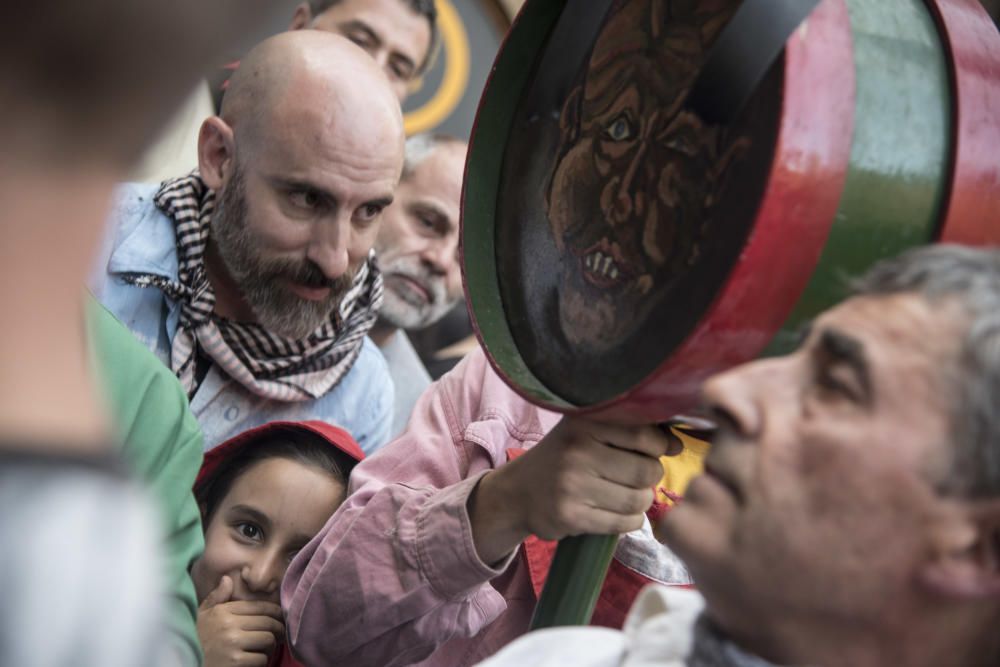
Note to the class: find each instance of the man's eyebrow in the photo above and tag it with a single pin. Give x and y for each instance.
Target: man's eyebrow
(253, 513)
(285, 183)
(844, 348)
(381, 202)
(355, 24)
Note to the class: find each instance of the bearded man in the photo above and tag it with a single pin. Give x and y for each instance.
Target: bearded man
(418, 254)
(253, 278)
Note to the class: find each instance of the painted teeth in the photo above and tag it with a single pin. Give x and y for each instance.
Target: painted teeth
(601, 264)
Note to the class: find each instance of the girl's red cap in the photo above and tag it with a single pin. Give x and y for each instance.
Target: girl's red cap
(337, 437)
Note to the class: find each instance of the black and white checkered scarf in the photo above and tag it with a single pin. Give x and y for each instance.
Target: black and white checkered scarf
(269, 365)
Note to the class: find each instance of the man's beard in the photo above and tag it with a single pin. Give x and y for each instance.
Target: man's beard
(405, 311)
(260, 280)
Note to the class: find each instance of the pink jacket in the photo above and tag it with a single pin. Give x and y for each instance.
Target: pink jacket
(394, 578)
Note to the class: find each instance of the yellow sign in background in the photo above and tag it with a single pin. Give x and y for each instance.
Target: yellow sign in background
(455, 52)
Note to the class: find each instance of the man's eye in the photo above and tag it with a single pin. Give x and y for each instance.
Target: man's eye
(305, 199)
(830, 383)
(250, 531)
(369, 212)
(361, 39)
(620, 129)
(401, 71)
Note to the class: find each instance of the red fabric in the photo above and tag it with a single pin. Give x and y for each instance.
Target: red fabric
(337, 437)
(283, 658)
(621, 586)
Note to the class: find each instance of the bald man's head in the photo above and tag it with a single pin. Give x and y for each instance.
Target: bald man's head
(307, 152)
(284, 72)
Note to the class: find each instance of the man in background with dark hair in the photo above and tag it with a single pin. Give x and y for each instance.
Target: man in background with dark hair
(399, 34)
(83, 86)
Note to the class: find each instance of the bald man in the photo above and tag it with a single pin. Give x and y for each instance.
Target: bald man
(253, 278)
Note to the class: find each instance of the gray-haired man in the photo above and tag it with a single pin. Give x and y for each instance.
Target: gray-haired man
(850, 509)
(417, 251)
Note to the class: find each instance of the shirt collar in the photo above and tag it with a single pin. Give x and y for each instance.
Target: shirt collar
(147, 242)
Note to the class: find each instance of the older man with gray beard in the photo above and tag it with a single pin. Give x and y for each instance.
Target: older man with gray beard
(417, 250)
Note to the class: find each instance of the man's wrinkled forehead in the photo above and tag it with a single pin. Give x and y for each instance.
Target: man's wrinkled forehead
(901, 333)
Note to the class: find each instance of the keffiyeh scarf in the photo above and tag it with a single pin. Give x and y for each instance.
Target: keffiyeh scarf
(269, 365)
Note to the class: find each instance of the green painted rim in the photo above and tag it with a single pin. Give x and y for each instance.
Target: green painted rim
(898, 173)
(513, 69)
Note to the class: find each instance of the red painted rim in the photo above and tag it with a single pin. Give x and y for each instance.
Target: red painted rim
(793, 221)
(795, 216)
(972, 41)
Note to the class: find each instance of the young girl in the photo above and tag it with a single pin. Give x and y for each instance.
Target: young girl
(263, 495)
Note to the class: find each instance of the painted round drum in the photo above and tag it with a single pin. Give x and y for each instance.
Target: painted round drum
(619, 246)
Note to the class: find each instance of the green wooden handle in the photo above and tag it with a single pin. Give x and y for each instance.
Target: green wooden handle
(574, 581)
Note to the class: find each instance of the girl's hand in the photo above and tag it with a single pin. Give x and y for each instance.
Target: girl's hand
(242, 633)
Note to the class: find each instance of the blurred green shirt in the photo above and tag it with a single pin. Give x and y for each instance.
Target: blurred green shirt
(162, 445)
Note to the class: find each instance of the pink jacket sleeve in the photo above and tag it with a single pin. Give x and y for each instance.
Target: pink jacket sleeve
(394, 573)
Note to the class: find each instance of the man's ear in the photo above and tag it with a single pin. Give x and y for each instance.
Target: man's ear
(216, 151)
(965, 553)
(302, 17)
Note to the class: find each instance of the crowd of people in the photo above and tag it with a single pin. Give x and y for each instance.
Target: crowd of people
(218, 445)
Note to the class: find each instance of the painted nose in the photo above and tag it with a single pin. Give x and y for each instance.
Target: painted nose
(630, 200)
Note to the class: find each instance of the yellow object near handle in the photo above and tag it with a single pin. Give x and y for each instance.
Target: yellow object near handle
(679, 470)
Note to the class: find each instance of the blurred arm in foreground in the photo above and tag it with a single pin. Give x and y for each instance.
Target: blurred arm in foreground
(82, 88)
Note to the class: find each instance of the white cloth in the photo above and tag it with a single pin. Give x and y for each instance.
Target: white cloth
(80, 570)
(659, 631)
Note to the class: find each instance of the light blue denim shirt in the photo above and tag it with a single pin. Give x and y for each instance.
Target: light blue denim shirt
(141, 239)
